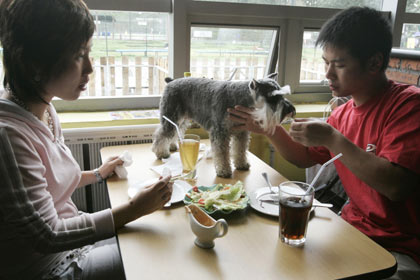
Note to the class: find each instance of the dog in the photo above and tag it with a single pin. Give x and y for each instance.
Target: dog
(206, 101)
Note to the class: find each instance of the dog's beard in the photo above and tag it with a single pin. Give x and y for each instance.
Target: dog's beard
(268, 119)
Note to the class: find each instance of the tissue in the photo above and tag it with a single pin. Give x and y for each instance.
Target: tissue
(120, 170)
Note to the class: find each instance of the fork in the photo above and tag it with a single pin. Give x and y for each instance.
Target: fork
(167, 172)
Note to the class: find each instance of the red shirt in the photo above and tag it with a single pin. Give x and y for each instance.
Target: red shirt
(391, 123)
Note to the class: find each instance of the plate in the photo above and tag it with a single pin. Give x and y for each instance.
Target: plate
(271, 209)
(179, 189)
(188, 201)
(264, 207)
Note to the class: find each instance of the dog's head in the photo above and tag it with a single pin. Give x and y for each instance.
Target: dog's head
(271, 107)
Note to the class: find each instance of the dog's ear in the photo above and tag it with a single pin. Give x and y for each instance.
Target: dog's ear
(273, 76)
(168, 80)
(253, 84)
(284, 90)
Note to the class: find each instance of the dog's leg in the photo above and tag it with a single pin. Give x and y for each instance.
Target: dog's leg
(162, 139)
(240, 144)
(220, 147)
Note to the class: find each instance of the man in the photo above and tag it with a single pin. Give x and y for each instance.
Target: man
(378, 132)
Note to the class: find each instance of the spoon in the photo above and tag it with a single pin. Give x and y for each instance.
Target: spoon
(264, 174)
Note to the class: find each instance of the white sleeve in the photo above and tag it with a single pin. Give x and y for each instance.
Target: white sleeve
(35, 221)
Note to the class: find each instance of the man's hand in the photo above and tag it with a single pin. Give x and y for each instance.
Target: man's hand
(243, 119)
(311, 132)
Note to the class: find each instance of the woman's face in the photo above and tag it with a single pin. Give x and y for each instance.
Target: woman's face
(72, 81)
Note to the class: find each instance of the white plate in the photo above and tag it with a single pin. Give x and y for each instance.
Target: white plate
(179, 190)
(266, 208)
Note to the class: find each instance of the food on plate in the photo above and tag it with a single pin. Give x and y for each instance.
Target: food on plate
(219, 197)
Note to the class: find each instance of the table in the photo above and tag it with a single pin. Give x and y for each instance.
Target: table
(161, 245)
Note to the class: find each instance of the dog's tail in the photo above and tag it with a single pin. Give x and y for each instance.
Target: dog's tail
(168, 80)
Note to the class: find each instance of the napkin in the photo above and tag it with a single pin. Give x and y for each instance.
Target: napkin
(120, 170)
(173, 163)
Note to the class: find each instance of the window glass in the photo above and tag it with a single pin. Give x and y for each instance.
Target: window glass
(1, 68)
(129, 53)
(312, 68)
(224, 52)
(413, 6)
(377, 4)
(410, 38)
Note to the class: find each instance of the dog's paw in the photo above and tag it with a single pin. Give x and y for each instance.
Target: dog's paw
(243, 166)
(173, 147)
(162, 154)
(224, 173)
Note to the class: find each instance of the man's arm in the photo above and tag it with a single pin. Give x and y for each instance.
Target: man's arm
(292, 151)
(391, 180)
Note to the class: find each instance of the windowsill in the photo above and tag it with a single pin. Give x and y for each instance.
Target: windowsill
(147, 116)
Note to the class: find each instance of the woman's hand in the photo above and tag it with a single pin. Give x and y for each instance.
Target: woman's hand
(146, 201)
(243, 119)
(153, 197)
(107, 168)
(310, 132)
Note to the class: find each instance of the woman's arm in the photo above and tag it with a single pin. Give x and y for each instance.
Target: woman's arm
(105, 170)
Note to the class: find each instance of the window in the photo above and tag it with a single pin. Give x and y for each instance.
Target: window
(1, 69)
(129, 54)
(413, 6)
(376, 4)
(234, 53)
(137, 43)
(312, 70)
(410, 38)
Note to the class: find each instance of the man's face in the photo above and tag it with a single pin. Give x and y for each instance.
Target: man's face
(345, 74)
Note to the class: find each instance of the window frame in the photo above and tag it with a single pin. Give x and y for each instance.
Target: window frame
(292, 21)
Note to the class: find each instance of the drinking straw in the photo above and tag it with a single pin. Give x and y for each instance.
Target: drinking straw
(177, 128)
(320, 171)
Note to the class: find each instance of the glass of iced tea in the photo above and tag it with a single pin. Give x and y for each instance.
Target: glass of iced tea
(188, 151)
(295, 200)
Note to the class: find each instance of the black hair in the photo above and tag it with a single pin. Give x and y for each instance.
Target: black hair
(39, 39)
(363, 31)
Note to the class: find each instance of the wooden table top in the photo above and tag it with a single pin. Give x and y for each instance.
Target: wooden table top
(161, 245)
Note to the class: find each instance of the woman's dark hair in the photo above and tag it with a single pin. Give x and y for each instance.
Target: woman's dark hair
(39, 39)
(363, 31)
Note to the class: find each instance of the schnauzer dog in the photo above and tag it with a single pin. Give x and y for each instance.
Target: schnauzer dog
(206, 102)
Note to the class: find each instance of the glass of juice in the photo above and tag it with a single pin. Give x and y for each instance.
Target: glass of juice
(188, 151)
(295, 199)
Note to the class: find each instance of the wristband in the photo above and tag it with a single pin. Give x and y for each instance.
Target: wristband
(98, 176)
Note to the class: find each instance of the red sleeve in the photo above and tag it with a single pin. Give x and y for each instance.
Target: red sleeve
(400, 143)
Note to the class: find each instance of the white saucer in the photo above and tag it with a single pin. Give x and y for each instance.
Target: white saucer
(266, 208)
(180, 188)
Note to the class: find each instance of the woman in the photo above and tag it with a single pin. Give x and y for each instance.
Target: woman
(46, 45)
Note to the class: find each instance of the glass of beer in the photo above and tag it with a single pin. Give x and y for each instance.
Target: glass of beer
(295, 199)
(188, 151)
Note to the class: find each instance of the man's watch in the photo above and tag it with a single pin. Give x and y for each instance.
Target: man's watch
(98, 176)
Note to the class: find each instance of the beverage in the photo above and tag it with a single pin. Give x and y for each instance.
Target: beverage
(188, 152)
(295, 199)
(294, 218)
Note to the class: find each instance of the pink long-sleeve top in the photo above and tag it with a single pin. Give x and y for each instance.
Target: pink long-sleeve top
(38, 220)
